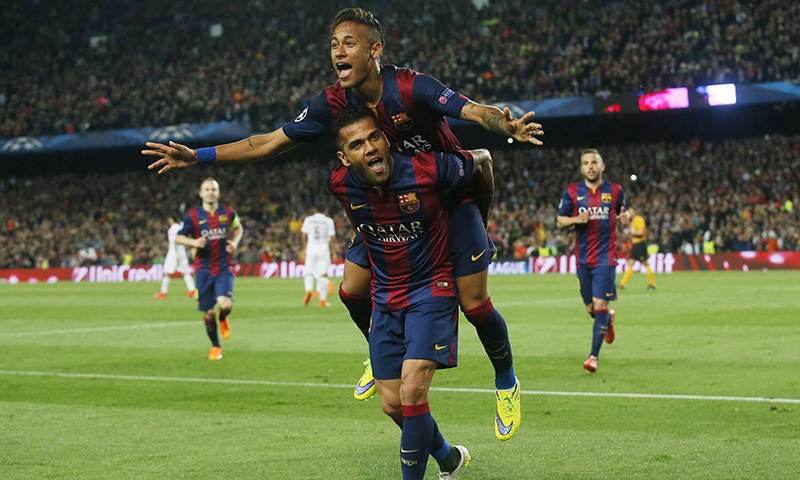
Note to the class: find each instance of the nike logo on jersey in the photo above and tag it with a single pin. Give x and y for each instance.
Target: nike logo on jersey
(403, 450)
(202, 222)
(476, 257)
(581, 198)
(356, 207)
(438, 347)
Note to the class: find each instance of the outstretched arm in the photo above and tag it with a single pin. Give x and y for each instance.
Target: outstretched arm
(256, 147)
(501, 122)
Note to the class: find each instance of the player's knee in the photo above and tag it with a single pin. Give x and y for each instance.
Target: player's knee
(473, 291)
(480, 312)
(225, 303)
(599, 305)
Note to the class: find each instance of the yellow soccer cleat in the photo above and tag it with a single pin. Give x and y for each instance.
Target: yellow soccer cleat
(508, 413)
(365, 387)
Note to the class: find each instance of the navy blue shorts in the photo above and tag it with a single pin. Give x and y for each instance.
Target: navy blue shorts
(597, 283)
(427, 330)
(471, 249)
(209, 287)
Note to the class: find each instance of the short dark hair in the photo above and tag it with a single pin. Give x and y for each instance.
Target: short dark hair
(362, 17)
(589, 150)
(348, 116)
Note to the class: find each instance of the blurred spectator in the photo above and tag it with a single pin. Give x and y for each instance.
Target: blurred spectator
(733, 190)
(88, 65)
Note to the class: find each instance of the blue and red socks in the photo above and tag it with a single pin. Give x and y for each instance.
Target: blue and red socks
(493, 333)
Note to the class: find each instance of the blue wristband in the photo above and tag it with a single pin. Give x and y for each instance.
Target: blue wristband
(206, 155)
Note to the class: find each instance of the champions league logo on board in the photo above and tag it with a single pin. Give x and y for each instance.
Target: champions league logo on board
(22, 144)
(173, 132)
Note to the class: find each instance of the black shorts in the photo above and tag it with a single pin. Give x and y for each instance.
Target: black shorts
(639, 251)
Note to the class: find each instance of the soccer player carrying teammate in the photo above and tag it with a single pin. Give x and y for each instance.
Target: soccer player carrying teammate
(177, 260)
(410, 108)
(594, 206)
(319, 240)
(396, 201)
(215, 231)
(638, 230)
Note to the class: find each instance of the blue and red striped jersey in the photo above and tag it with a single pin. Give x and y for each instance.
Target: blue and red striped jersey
(214, 226)
(404, 224)
(595, 241)
(411, 111)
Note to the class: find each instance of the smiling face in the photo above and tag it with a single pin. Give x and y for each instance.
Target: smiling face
(354, 53)
(365, 148)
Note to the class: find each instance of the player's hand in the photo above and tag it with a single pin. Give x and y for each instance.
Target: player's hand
(624, 216)
(200, 242)
(172, 156)
(525, 129)
(231, 247)
(582, 217)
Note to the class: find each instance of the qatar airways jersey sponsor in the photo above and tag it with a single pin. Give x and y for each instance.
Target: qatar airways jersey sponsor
(393, 233)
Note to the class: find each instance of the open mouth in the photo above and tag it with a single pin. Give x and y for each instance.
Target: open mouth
(377, 165)
(343, 69)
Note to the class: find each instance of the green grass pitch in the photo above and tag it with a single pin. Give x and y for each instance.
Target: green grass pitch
(102, 381)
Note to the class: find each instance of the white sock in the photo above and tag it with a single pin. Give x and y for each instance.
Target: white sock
(322, 287)
(187, 278)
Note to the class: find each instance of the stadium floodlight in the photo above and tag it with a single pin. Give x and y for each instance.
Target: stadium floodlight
(722, 94)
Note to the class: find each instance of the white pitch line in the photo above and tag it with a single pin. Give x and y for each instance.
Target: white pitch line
(100, 329)
(439, 389)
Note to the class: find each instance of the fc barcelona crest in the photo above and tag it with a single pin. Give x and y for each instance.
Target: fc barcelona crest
(605, 197)
(223, 219)
(402, 121)
(408, 202)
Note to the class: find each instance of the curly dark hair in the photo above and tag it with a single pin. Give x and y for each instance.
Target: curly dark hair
(348, 116)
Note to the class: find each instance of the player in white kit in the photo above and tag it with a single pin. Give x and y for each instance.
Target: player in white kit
(319, 241)
(176, 260)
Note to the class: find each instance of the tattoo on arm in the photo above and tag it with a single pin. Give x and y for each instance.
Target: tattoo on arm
(250, 142)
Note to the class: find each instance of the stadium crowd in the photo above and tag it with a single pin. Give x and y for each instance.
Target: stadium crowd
(89, 65)
(739, 193)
